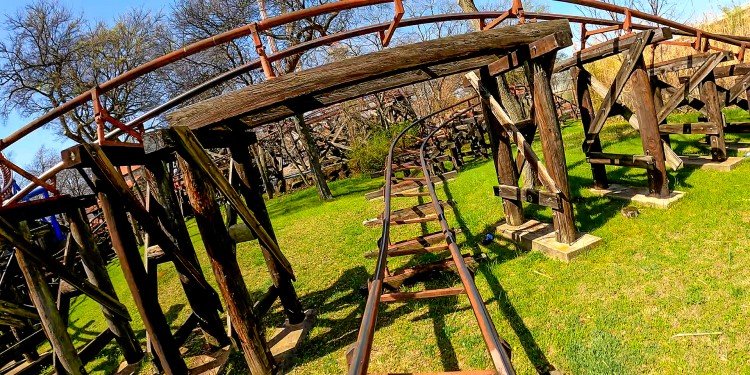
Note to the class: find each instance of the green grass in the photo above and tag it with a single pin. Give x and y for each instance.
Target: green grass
(611, 311)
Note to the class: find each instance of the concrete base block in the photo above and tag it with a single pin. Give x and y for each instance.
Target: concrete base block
(705, 162)
(533, 235)
(286, 339)
(638, 195)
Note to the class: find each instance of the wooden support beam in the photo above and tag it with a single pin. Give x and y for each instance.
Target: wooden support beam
(97, 274)
(41, 257)
(533, 196)
(642, 96)
(425, 294)
(144, 296)
(190, 149)
(502, 152)
(690, 128)
(710, 96)
(581, 82)
(742, 85)
(13, 309)
(52, 323)
(695, 79)
(374, 72)
(250, 188)
(553, 149)
(519, 57)
(227, 271)
(677, 64)
(634, 55)
(623, 160)
(625, 110)
(739, 69)
(94, 157)
(611, 47)
(164, 206)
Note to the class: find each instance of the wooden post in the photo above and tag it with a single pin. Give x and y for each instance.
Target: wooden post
(52, 322)
(581, 81)
(166, 208)
(638, 87)
(552, 144)
(249, 187)
(658, 103)
(502, 153)
(146, 299)
(227, 272)
(710, 96)
(97, 274)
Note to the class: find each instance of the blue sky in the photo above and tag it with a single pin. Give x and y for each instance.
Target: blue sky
(107, 10)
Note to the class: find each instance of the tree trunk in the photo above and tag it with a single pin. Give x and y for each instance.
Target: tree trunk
(260, 158)
(313, 154)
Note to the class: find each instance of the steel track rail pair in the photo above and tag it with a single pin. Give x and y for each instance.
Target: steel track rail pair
(361, 355)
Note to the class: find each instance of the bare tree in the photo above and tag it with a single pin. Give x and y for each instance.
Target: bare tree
(53, 56)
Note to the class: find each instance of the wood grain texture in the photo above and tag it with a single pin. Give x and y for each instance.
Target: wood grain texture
(331, 83)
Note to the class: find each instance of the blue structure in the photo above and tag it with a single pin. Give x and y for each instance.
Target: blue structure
(52, 220)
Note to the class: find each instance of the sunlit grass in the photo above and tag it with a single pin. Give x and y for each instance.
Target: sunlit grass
(611, 311)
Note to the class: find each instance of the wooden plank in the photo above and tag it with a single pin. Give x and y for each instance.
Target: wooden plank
(739, 87)
(315, 88)
(533, 196)
(689, 128)
(249, 184)
(611, 47)
(739, 69)
(677, 64)
(408, 296)
(710, 96)
(623, 160)
(10, 308)
(39, 208)
(634, 55)
(518, 57)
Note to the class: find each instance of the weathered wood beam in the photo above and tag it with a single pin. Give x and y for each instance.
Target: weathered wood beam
(739, 69)
(623, 160)
(553, 148)
(695, 79)
(641, 95)
(190, 149)
(344, 80)
(690, 128)
(609, 48)
(677, 64)
(52, 323)
(227, 271)
(13, 309)
(145, 297)
(249, 186)
(710, 96)
(740, 86)
(582, 81)
(163, 205)
(634, 55)
(533, 196)
(97, 274)
(502, 152)
(521, 55)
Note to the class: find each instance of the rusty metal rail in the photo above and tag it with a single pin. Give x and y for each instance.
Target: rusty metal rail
(361, 355)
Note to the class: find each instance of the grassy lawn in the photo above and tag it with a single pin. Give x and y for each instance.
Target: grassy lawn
(614, 310)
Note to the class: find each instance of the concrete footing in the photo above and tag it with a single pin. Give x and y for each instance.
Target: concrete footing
(286, 339)
(705, 162)
(534, 235)
(638, 195)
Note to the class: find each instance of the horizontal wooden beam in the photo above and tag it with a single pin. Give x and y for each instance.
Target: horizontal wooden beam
(517, 58)
(609, 48)
(690, 128)
(732, 70)
(332, 83)
(677, 64)
(533, 196)
(408, 296)
(636, 161)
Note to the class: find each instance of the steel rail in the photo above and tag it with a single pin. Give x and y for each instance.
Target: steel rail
(500, 358)
(361, 355)
(656, 19)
